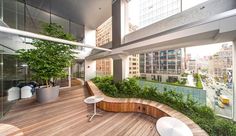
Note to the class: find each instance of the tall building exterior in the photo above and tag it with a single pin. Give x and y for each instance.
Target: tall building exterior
(104, 36)
(155, 10)
(161, 65)
(192, 66)
(105, 66)
(134, 65)
(221, 62)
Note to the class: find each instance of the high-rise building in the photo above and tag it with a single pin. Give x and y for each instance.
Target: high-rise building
(155, 10)
(161, 65)
(105, 66)
(104, 36)
(192, 66)
(221, 62)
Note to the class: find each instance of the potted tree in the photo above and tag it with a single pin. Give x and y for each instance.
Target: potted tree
(48, 61)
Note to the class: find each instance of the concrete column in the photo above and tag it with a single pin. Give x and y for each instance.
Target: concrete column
(119, 30)
(90, 65)
(234, 81)
(90, 69)
(119, 22)
(120, 67)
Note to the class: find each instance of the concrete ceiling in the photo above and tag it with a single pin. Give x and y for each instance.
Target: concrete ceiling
(90, 13)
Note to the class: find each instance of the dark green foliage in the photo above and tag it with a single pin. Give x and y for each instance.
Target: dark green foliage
(202, 115)
(128, 87)
(106, 85)
(224, 128)
(49, 59)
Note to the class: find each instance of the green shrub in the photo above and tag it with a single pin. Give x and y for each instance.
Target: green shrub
(197, 78)
(202, 115)
(222, 127)
(129, 87)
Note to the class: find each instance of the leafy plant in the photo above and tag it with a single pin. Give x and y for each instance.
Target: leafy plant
(202, 115)
(197, 78)
(48, 59)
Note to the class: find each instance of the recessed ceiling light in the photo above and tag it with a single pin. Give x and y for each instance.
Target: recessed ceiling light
(100, 8)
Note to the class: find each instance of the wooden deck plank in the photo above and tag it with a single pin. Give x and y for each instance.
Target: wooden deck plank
(68, 116)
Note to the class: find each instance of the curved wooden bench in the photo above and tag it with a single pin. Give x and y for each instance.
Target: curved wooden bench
(152, 108)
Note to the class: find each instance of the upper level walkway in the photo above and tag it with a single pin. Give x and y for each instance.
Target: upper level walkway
(68, 117)
(210, 22)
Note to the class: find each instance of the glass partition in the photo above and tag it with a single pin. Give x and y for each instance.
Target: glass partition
(13, 73)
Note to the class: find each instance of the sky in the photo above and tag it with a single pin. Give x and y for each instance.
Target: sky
(205, 50)
(196, 51)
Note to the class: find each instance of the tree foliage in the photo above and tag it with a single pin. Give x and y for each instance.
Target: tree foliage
(48, 60)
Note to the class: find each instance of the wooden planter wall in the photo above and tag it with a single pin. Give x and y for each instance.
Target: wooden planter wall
(154, 109)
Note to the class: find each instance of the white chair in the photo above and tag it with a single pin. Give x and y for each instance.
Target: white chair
(13, 93)
(26, 92)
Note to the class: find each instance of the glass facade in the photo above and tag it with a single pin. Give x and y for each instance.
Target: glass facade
(161, 62)
(13, 73)
(17, 14)
(146, 12)
(156, 62)
(155, 10)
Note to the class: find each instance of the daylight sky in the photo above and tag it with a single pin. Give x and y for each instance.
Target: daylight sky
(203, 50)
(197, 51)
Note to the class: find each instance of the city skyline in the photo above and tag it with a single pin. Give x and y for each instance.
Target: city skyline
(200, 51)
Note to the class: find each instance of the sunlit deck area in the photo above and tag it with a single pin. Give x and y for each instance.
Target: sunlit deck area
(68, 116)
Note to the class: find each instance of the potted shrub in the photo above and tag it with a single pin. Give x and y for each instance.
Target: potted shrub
(48, 61)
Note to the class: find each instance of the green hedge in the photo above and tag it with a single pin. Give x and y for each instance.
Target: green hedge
(197, 77)
(202, 115)
(167, 83)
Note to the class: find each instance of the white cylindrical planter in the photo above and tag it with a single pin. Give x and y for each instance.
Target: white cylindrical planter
(26, 92)
(13, 94)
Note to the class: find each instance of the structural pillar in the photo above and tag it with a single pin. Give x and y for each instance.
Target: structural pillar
(120, 67)
(234, 81)
(119, 29)
(89, 65)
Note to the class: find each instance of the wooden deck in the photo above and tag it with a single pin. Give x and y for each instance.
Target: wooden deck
(68, 117)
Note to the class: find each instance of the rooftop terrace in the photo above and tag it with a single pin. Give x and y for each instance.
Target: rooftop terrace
(68, 116)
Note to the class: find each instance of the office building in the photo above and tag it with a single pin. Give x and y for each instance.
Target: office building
(105, 66)
(161, 65)
(221, 62)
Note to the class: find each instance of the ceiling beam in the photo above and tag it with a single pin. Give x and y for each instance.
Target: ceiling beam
(47, 38)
